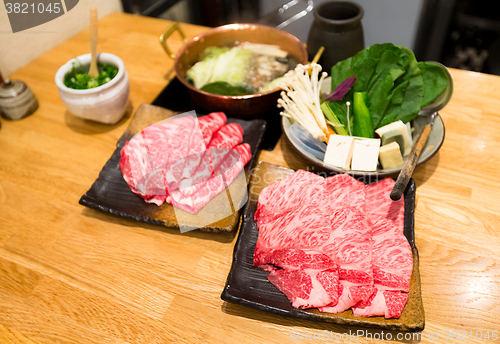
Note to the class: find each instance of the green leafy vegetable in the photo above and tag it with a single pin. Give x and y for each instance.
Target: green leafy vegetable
(272, 85)
(407, 93)
(212, 52)
(79, 78)
(397, 86)
(435, 81)
(225, 89)
(228, 66)
(391, 78)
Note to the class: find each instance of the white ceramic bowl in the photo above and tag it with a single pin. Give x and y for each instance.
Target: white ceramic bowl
(106, 103)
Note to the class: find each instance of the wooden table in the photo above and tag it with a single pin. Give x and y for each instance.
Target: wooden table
(69, 274)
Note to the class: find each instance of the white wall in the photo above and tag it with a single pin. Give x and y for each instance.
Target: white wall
(394, 21)
(17, 49)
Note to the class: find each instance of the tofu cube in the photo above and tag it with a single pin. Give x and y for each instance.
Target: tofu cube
(339, 151)
(399, 132)
(390, 155)
(365, 155)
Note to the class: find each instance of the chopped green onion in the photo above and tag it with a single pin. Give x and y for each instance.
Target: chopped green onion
(80, 80)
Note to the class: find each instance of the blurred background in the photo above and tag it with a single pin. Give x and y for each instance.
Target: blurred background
(462, 34)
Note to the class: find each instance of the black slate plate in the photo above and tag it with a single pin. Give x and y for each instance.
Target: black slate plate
(248, 286)
(111, 194)
(176, 98)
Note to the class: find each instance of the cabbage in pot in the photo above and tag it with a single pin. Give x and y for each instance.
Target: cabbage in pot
(244, 69)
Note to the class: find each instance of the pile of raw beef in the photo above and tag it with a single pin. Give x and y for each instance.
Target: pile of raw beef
(184, 161)
(335, 244)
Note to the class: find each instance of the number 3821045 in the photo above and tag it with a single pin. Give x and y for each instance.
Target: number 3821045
(17, 7)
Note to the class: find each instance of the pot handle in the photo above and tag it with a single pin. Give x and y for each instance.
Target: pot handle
(167, 33)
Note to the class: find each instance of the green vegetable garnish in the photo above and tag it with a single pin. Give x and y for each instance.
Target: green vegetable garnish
(79, 78)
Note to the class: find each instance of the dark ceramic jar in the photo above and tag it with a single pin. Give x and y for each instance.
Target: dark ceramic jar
(337, 26)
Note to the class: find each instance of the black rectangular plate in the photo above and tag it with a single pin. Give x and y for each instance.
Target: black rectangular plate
(111, 194)
(248, 285)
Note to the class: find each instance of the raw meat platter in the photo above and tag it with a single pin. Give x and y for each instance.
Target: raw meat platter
(111, 194)
(248, 285)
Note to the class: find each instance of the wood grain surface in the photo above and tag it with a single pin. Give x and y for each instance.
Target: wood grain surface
(69, 274)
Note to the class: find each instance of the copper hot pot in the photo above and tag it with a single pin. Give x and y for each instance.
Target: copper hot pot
(251, 105)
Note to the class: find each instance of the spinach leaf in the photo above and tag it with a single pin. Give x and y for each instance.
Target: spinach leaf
(407, 94)
(435, 81)
(391, 77)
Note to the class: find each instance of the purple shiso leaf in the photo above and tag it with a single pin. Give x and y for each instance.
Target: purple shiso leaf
(340, 91)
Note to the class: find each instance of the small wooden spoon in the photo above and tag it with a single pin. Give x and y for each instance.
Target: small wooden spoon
(93, 72)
